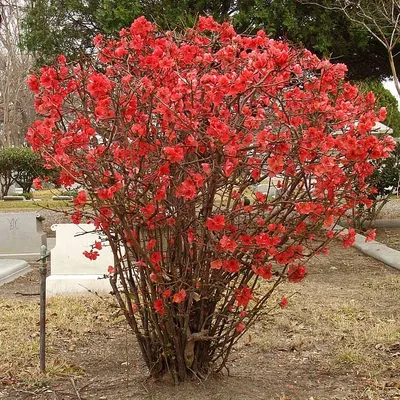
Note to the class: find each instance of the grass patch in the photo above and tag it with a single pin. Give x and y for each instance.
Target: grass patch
(13, 206)
(70, 320)
(45, 198)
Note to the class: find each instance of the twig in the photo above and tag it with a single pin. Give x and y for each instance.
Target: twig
(87, 384)
(75, 388)
(27, 294)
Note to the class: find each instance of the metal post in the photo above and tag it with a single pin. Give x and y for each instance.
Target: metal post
(43, 274)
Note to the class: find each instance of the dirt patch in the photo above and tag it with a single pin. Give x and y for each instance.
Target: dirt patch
(389, 236)
(339, 338)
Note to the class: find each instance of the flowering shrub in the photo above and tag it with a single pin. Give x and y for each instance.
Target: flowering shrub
(169, 133)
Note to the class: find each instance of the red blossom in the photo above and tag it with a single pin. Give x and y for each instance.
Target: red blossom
(159, 306)
(216, 224)
(228, 244)
(231, 266)
(263, 271)
(80, 200)
(349, 238)
(97, 245)
(370, 235)
(111, 269)
(296, 273)
(155, 257)
(243, 296)
(284, 302)
(179, 297)
(76, 217)
(216, 264)
(37, 184)
(91, 255)
(174, 154)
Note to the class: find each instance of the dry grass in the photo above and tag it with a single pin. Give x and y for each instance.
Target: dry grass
(70, 321)
(338, 332)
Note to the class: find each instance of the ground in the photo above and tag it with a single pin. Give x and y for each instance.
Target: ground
(338, 339)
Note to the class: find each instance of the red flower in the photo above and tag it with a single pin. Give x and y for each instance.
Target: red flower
(187, 190)
(179, 297)
(174, 154)
(371, 234)
(37, 183)
(240, 327)
(243, 296)
(155, 257)
(284, 302)
(231, 266)
(263, 271)
(167, 293)
(81, 199)
(111, 269)
(76, 218)
(159, 306)
(228, 244)
(216, 224)
(349, 239)
(97, 245)
(91, 255)
(296, 273)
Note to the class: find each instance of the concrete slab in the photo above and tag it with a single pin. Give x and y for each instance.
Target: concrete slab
(12, 269)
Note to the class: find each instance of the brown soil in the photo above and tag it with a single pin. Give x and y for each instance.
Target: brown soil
(389, 236)
(339, 339)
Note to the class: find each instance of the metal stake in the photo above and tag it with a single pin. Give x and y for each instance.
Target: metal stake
(43, 274)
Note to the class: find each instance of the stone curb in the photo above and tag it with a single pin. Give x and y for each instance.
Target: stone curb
(376, 250)
(386, 223)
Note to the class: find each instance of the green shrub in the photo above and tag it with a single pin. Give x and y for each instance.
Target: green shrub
(27, 195)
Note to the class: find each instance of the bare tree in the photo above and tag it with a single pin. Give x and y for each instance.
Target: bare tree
(16, 101)
(381, 18)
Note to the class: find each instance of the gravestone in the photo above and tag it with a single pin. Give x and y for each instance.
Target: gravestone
(71, 271)
(21, 235)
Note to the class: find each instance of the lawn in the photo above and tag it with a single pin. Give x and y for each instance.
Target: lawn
(43, 200)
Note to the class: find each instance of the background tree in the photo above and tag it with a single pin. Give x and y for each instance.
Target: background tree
(20, 165)
(380, 18)
(65, 27)
(16, 107)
